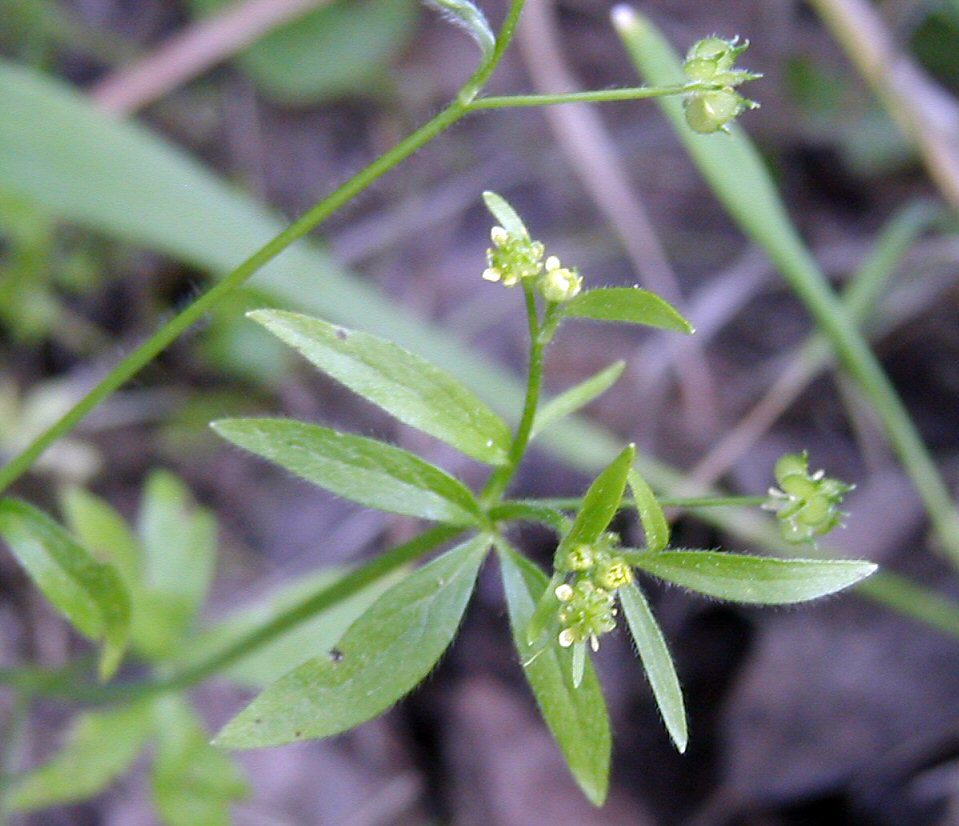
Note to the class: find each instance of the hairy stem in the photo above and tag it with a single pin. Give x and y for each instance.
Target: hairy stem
(538, 339)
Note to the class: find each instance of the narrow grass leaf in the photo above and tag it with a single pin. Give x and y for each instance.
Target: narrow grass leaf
(372, 473)
(657, 662)
(576, 717)
(651, 514)
(100, 746)
(193, 783)
(89, 593)
(269, 662)
(576, 397)
(470, 18)
(630, 305)
(404, 385)
(382, 657)
(753, 579)
(505, 214)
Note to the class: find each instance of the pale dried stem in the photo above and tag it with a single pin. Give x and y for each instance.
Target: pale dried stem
(190, 53)
(927, 114)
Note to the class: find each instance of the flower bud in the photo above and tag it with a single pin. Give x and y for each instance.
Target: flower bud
(558, 283)
(708, 112)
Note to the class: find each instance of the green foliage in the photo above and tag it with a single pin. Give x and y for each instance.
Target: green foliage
(576, 397)
(193, 783)
(271, 661)
(344, 48)
(404, 385)
(657, 662)
(576, 716)
(89, 593)
(333, 654)
(99, 748)
(629, 305)
(470, 18)
(651, 515)
(382, 657)
(364, 470)
(753, 579)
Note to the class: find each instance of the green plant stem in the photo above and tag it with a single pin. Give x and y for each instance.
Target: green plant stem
(160, 340)
(327, 597)
(464, 104)
(538, 339)
(595, 96)
(572, 503)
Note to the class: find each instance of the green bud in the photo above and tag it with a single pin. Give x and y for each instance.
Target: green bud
(558, 283)
(806, 504)
(708, 112)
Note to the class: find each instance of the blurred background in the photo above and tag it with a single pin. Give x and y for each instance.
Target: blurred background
(841, 712)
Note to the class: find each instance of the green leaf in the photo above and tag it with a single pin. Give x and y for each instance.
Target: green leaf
(193, 783)
(505, 214)
(471, 19)
(631, 305)
(651, 514)
(600, 503)
(753, 579)
(103, 531)
(99, 748)
(90, 594)
(179, 544)
(404, 385)
(382, 657)
(342, 49)
(576, 717)
(269, 662)
(657, 662)
(372, 473)
(576, 397)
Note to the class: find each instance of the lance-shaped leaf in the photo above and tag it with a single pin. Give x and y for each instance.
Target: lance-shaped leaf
(271, 661)
(576, 717)
(193, 783)
(576, 397)
(367, 471)
(505, 214)
(99, 748)
(631, 305)
(753, 579)
(651, 514)
(382, 657)
(404, 385)
(657, 662)
(600, 504)
(470, 18)
(89, 593)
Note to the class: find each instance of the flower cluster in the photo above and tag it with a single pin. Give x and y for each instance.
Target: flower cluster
(712, 61)
(514, 258)
(806, 504)
(587, 597)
